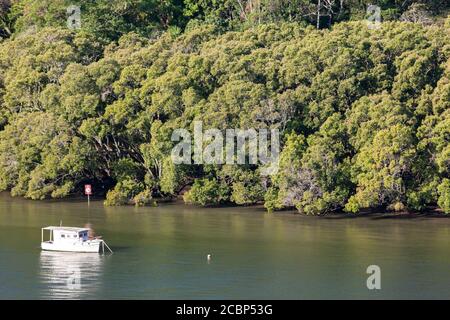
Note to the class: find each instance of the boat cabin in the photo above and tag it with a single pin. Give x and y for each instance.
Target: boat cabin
(66, 234)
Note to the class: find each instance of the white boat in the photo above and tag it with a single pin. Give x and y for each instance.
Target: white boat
(71, 239)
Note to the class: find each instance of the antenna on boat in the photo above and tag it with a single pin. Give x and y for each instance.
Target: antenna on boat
(60, 223)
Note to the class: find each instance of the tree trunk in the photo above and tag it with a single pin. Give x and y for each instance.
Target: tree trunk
(318, 13)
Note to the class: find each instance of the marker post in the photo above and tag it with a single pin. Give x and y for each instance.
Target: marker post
(88, 191)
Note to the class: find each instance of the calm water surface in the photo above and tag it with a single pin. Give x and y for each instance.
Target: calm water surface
(160, 253)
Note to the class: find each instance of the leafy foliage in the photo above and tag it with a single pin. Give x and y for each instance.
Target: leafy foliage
(364, 114)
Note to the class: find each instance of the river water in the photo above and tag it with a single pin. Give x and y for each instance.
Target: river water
(161, 253)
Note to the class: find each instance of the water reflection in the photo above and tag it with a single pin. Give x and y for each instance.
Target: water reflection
(161, 253)
(68, 275)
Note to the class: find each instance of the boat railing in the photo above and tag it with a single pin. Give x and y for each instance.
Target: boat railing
(105, 245)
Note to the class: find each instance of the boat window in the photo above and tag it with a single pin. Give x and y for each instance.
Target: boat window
(63, 236)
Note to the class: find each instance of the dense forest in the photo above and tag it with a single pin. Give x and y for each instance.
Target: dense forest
(363, 113)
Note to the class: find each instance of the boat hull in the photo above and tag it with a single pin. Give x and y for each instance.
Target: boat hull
(85, 246)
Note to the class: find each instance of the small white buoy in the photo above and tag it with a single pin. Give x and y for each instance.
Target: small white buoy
(208, 257)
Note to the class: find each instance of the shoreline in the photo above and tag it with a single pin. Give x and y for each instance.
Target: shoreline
(376, 214)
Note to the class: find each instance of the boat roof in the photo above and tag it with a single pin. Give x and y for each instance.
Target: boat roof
(72, 229)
